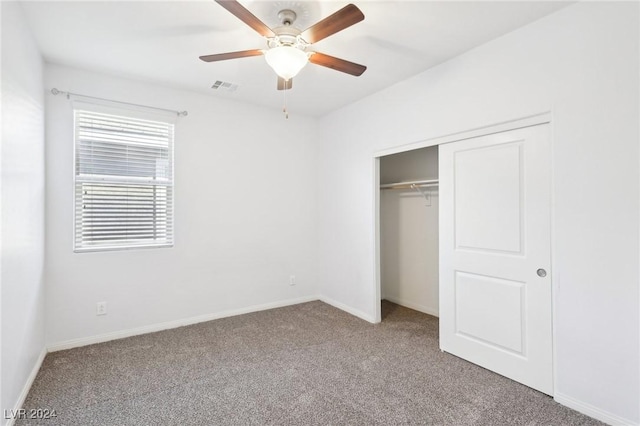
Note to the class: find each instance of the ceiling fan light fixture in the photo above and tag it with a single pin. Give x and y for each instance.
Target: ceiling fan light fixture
(286, 61)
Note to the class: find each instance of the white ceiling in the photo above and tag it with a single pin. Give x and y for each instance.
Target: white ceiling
(161, 42)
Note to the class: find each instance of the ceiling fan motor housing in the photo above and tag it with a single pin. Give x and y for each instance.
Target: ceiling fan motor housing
(287, 35)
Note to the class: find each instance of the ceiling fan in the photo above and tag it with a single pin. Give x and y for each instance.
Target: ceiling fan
(287, 45)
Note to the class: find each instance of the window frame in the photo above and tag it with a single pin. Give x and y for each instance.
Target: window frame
(133, 114)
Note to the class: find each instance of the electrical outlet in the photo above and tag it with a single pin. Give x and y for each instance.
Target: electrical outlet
(292, 280)
(101, 308)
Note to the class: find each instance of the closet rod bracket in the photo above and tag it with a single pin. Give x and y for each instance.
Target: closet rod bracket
(426, 195)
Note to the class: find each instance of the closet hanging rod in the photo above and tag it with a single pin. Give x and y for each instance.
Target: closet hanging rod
(410, 184)
(55, 91)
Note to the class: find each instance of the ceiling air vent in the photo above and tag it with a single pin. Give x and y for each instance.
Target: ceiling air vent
(224, 86)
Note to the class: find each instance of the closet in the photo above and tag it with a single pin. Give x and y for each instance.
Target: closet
(465, 234)
(409, 229)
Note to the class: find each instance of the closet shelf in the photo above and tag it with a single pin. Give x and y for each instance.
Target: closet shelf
(410, 184)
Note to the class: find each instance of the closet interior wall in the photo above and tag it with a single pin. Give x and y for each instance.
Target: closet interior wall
(409, 231)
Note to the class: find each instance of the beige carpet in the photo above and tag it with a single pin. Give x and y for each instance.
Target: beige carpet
(299, 365)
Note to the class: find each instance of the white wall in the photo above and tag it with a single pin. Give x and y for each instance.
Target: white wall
(22, 205)
(245, 215)
(581, 63)
(409, 231)
(409, 249)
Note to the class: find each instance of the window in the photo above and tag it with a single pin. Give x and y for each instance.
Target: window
(123, 182)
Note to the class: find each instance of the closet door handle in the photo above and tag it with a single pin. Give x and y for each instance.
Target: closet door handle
(541, 273)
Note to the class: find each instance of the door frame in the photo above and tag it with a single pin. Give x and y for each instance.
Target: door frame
(519, 123)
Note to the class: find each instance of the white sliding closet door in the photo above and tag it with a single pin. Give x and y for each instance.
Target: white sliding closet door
(495, 282)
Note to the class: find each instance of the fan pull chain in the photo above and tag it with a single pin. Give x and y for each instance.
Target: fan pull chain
(284, 101)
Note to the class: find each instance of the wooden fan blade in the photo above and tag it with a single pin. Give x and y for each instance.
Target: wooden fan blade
(247, 17)
(284, 84)
(337, 64)
(344, 18)
(231, 55)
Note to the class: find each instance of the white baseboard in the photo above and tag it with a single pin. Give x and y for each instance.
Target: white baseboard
(91, 340)
(347, 309)
(592, 411)
(414, 306)
(101, 338)
(27, 385)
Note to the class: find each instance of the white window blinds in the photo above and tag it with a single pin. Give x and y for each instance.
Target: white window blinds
(123, 182)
